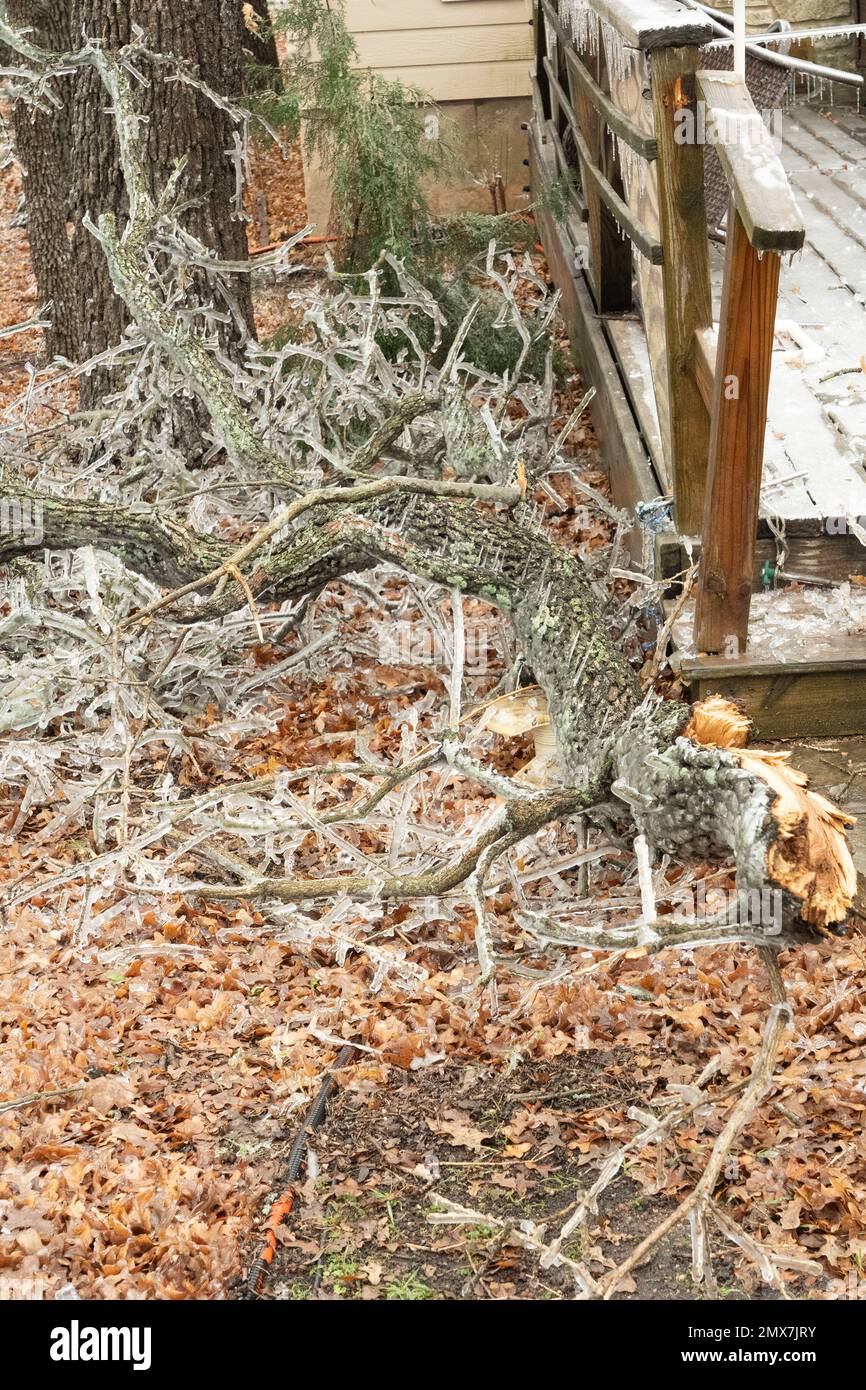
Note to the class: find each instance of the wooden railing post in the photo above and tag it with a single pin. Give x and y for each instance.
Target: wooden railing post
(763, 222)
(739, 421)
(686, 276)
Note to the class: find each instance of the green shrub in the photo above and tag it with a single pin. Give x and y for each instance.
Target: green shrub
(367, 131)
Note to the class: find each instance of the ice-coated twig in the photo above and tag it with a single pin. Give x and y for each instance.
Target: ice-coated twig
(448, 1213)
(458, 661)
(645, 879)
(778, 1021)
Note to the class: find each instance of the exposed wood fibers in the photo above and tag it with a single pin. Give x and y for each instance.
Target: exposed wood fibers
(810, 855)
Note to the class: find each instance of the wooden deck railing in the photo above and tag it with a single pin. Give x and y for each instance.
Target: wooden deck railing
(763, 223)
(604, 112)
(711, 399)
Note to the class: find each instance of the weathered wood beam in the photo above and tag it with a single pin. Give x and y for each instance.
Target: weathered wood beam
(611, 257)
(739, 421)
(644, 145)
(573, 195)
(687, 296)
(632, 479)
(754, 171)
(653, 24)
(595, 183)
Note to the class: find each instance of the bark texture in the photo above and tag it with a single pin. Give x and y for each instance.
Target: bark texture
(43, 146)
(72, 161)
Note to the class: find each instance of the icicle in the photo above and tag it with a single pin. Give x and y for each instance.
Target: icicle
(826, 31)
(623, 162)
(631, 166)
(618, 56)
(584, 25)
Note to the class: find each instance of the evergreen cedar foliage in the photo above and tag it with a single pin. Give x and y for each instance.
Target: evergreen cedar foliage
(367, 131)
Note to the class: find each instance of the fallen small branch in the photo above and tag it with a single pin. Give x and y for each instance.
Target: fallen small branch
(36, 1097)
(448, 1213)
(697, 1206)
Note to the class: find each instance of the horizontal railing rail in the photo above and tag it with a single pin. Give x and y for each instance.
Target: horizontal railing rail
(647, 244)
(645, 145)
(650, 24)
(755, 173)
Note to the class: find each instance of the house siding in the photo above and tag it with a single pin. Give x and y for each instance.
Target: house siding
(455, 50)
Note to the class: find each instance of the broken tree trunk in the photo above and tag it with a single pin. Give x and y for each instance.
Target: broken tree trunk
(680, 777)
(684, 781)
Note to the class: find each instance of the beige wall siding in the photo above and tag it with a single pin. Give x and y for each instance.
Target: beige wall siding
(457, 50)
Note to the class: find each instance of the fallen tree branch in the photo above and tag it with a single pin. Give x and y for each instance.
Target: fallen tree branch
(518, 820)
(363, 492)
(36, 1097)
(696, 1205)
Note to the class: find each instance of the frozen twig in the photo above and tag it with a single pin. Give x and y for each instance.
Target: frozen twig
(448, 1213)
(778, 1021)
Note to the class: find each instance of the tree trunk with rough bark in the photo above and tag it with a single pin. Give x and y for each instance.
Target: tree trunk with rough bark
(44, 150)
(72, 162)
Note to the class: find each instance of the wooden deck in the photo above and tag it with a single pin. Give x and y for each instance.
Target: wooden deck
(815, 455)
(732, 380)
(814, 482)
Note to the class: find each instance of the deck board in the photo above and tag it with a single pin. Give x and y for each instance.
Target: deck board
(630, 344)
(800, 675)
(817, 411)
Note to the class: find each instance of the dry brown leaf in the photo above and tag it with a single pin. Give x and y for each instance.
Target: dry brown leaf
(108, 1093)
(518, 712)
(454, 1127)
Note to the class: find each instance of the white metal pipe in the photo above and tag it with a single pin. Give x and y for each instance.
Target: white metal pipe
(832, 31)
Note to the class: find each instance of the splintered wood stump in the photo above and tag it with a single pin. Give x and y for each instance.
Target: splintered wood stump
(739, 421)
